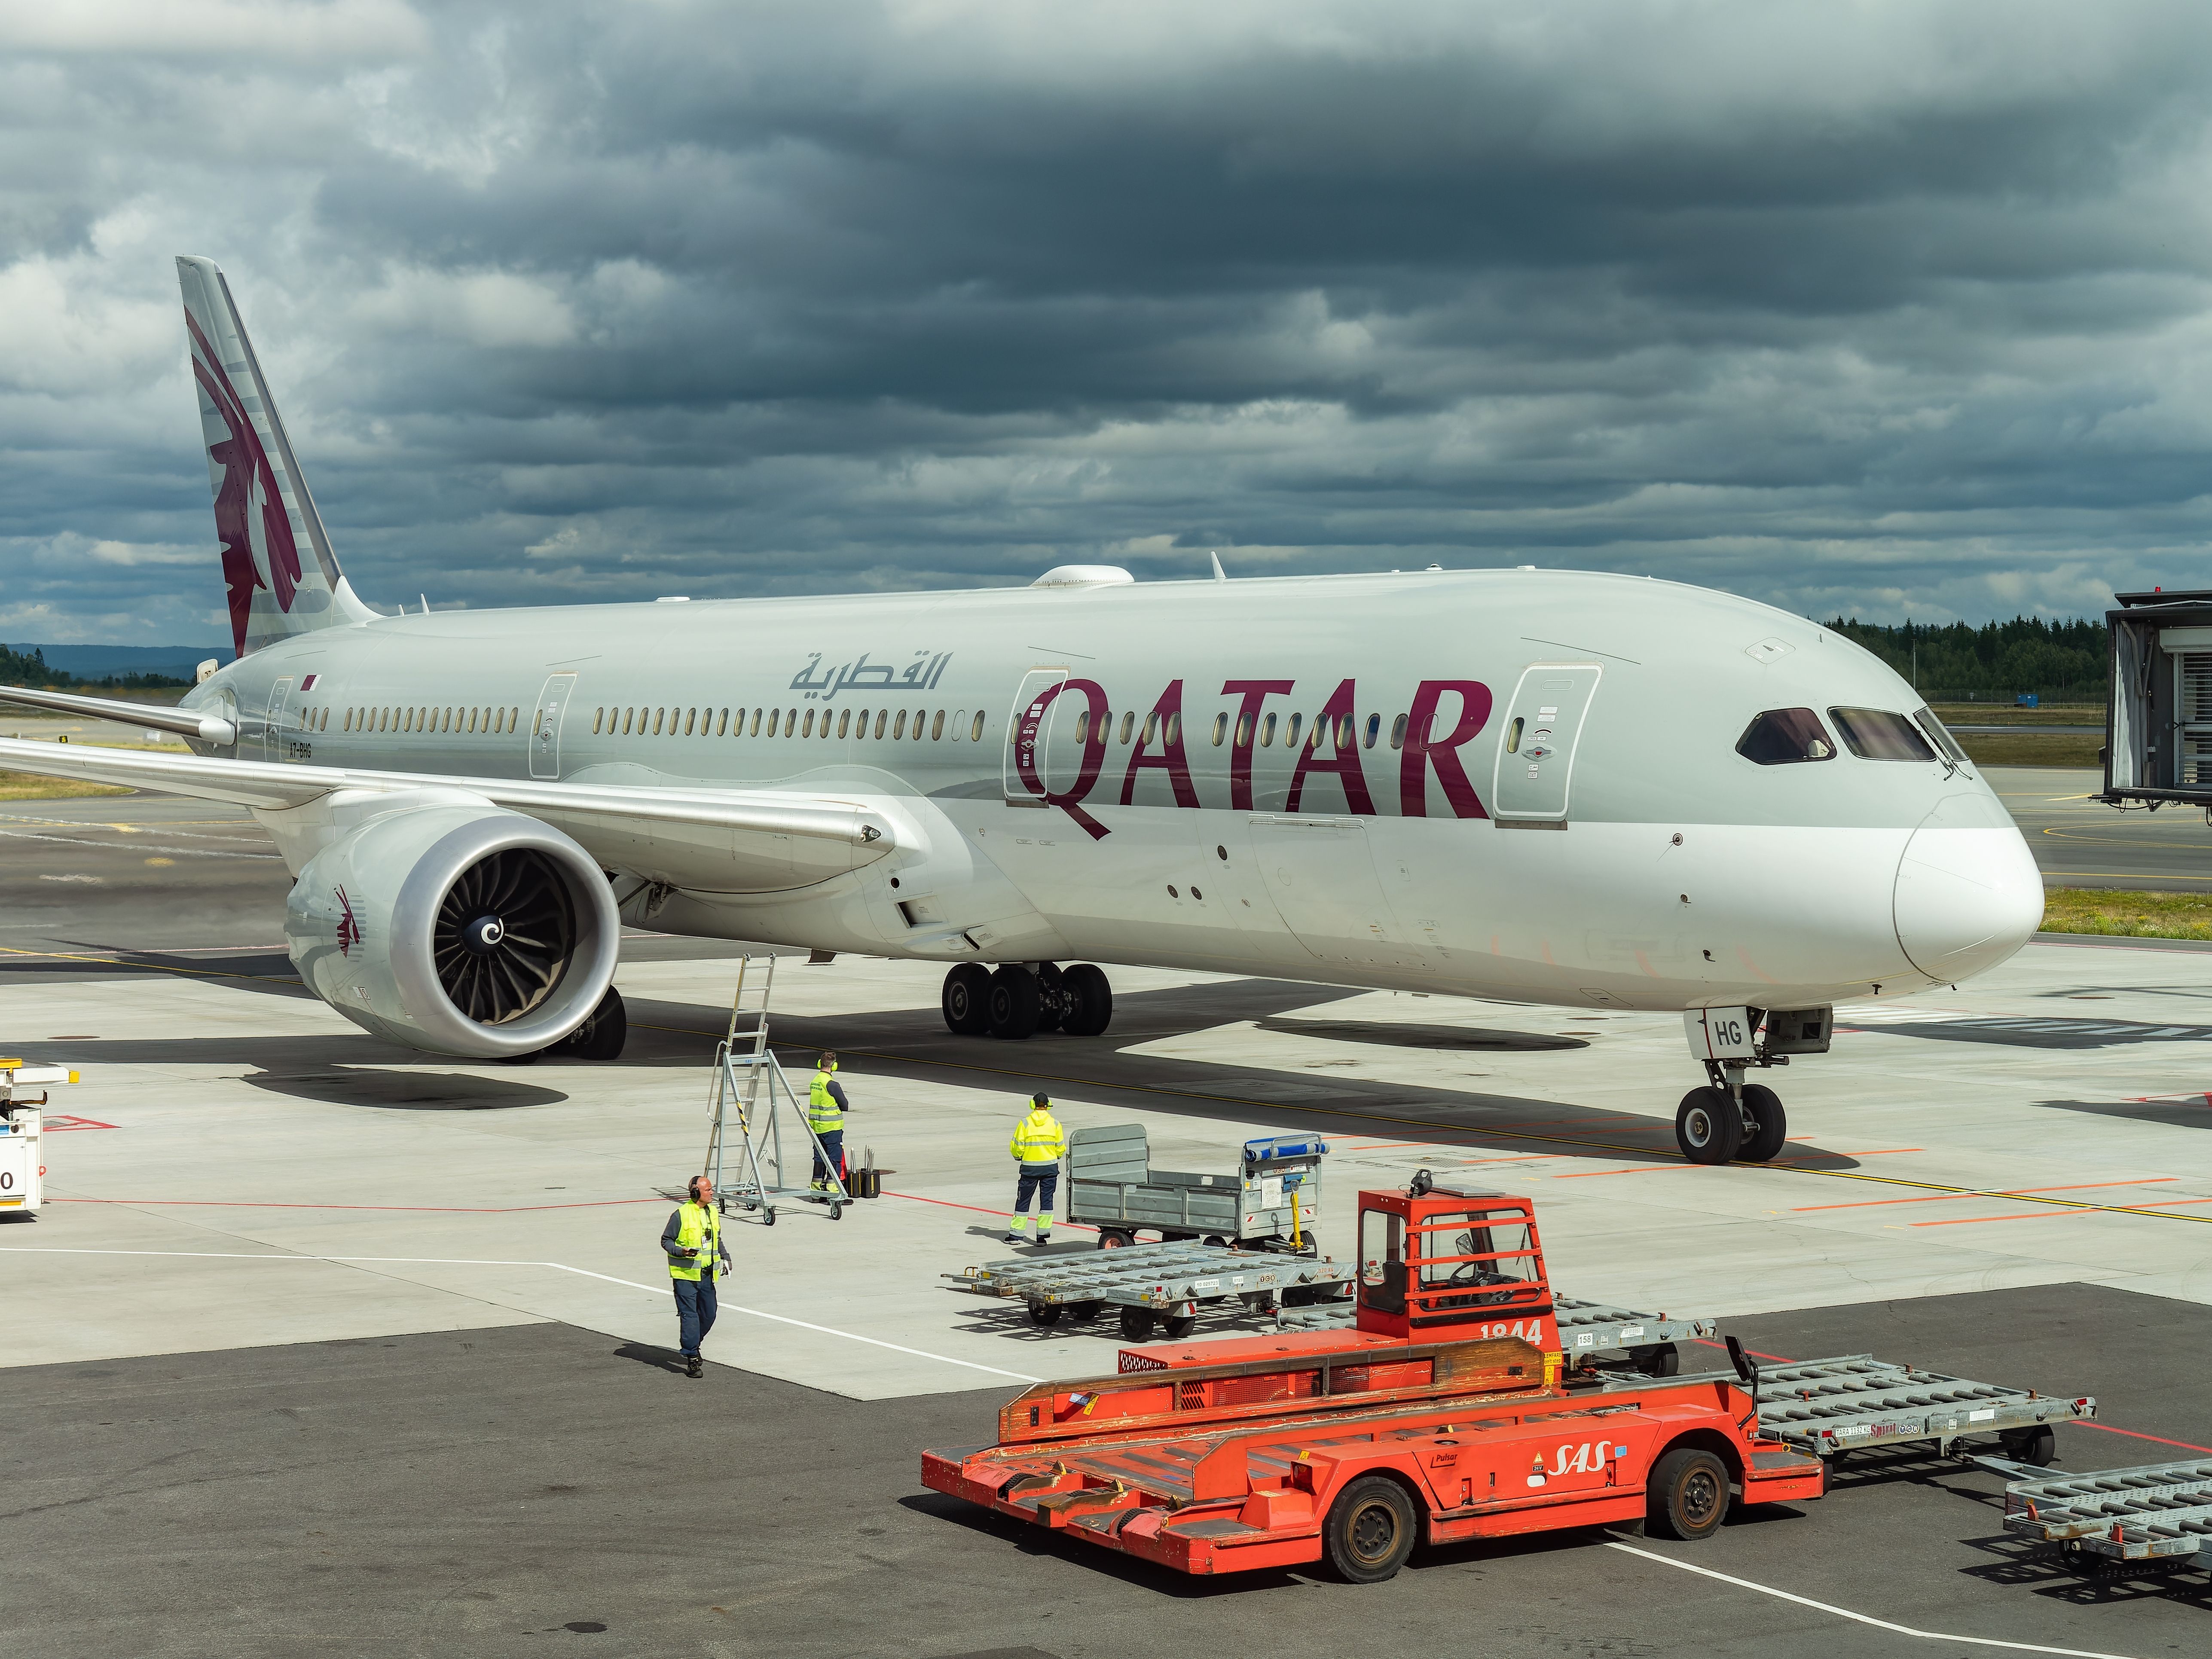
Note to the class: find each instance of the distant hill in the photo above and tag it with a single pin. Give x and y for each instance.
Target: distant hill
(95, 664)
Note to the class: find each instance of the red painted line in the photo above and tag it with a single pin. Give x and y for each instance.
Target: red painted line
(2008, 1192)
(61, 1125)
(423, 1209)
(1705, 1341)
(2134, 1434)
(1633, 1168)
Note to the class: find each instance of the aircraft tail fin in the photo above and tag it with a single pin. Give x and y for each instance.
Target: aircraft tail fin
(280, 576)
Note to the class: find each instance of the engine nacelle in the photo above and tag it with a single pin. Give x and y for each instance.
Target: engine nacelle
(457, 927)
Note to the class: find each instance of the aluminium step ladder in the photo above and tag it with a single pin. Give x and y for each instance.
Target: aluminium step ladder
(749, 1099)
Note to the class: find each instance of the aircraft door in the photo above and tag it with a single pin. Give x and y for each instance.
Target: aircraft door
(545, 728)
(1028, 737)
(1536, 749)
(272, 723)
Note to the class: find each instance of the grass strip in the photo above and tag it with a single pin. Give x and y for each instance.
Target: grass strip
(2127, 915)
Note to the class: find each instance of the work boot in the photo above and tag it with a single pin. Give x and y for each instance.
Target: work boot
(1044, 1239)
(1013, 1238)
(695, 1366)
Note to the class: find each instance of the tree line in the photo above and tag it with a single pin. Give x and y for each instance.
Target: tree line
(17, 668)
(2056, 661)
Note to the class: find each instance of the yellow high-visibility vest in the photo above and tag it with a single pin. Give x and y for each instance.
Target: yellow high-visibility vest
(1038, 1138)
(699, 1230)
(824, 1115)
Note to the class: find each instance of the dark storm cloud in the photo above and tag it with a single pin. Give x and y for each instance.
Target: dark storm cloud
(1899, 309)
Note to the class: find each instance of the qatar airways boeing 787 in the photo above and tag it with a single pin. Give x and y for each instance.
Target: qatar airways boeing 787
(1539, 787)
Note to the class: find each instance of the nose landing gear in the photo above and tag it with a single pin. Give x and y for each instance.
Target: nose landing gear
(1021, 1000)
(1730, 1120)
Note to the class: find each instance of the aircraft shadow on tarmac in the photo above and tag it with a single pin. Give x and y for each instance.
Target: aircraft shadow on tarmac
(402, 1091)
(2030, 1032)
(270, 974)
(2191, 1112)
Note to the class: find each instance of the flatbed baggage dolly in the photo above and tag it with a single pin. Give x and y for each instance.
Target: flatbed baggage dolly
(2156, 1517)
(1441, 1416)
(1271, 1200)
(1159, 1284)
(1826, 1407)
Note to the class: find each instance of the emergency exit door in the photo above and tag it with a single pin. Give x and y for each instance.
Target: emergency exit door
(1536, 747)
(272, 721)
(1026, 775)
(545, 728)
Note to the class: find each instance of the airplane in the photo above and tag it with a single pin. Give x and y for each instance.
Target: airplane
(1585, 790)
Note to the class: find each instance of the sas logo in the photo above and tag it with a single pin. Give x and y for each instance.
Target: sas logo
(348, 929)
(1591, 1457)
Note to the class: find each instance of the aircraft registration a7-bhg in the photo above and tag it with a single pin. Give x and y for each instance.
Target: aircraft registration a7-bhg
(1538, 787)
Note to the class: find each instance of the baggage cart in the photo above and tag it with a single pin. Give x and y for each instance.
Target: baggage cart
(1159, 1284)
(1272, 1199)
(1827, 1407)
(2156, 1517)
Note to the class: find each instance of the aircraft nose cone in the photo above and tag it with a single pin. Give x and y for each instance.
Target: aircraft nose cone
(1968, 892)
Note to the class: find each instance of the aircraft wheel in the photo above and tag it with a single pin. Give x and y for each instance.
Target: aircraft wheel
(1178, 1326)
(1052, 998)
(966, 1000)
(1090, 999)
(1137, 1324)
(1764, 1108)
(602, 1032)
(1688, 1495)
(1707, 1125)
(1014, 1004)
(1371, 1530)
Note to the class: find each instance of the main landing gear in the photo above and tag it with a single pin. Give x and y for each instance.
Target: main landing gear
(1021, 1000)
(1729, 1121)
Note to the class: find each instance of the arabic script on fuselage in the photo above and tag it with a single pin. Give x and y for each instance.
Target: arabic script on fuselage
(922, 674)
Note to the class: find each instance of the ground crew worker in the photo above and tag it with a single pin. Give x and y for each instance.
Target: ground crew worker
(692, 1240)
(1038, 1145)
(826, 1107)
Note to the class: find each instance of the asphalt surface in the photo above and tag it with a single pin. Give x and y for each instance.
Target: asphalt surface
(2079, 842)
(509, 1491)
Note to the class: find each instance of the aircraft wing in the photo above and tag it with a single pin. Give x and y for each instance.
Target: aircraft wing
(769, 821)
(185, 722)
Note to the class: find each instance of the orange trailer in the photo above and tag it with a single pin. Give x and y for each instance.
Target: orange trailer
(1444, 1413)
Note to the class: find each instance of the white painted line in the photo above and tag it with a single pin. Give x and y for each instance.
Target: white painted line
(558, 1267)
(1863, 1618)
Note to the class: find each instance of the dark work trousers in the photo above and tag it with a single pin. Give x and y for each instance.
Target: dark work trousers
(834, 1144)
(695, 1310)
(1043, 1180)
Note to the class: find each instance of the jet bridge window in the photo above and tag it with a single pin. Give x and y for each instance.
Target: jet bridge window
(1782, 737)
(1877, 734)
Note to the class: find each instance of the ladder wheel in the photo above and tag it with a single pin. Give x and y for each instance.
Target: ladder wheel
(1371, 1530)
(1178, 1326)
(836, 1212)
(768, 1215)
(1707, 1125)
(1764, 1107)
(1688, 1495)
(1137, 1324)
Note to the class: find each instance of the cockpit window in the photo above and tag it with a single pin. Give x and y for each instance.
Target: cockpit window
(1781, 736)
(1877, 734)
(1939, 735)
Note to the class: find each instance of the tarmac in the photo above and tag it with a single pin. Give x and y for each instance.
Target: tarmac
(334, 1345)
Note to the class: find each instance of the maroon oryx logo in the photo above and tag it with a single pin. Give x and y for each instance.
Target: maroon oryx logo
(348, 929)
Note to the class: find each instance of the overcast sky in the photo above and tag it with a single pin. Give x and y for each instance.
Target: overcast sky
(1886, 308)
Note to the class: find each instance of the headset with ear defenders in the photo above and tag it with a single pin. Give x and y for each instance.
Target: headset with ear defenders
(693, 1188)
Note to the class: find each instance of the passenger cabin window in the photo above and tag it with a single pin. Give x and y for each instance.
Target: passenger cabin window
(1877, 734)
(1782, 737)
(1939, 735)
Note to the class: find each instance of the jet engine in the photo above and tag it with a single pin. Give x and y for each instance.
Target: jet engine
(457, 927)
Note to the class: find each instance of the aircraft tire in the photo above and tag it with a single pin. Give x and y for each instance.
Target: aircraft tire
(1014, 1004)
(602, 1034)
(1764, 1108)
(1091, 1000)
(1707, 1125)
(965, 1000)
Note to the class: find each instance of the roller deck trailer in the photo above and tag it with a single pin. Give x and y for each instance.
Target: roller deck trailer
(1824, 1407)
(1167, 1285)
(1445, 1412)
(2154, 1517)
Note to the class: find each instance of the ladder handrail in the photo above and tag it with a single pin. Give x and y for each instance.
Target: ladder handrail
(760, 1132)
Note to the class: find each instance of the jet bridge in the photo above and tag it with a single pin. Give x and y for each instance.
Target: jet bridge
(2158, 735)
